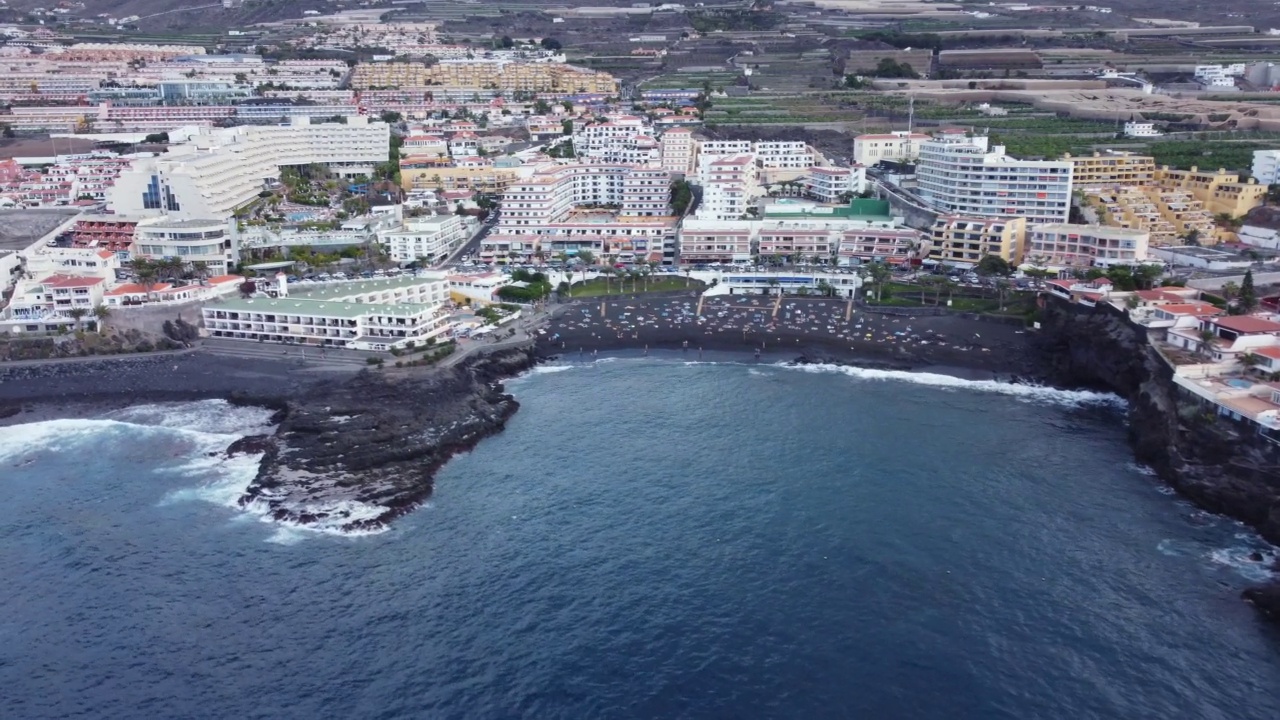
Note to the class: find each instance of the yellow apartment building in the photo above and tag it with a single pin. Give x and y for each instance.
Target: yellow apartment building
(485, 179)
(506, 76)
(964, 240)
(1167, 215)
(1111, 168)
(1219, 191)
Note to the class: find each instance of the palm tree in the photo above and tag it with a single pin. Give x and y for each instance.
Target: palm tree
(1207, 339)
(880, 273)
(1230, 291)
(1250, 360)
(773, 283)
(587, 258)
(1002, 290)
(147, 273)
(77, 314)
(101, 313)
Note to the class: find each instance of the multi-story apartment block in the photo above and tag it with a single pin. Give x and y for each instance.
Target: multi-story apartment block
(835, 184)
(113, 233)
(678, 151)
(729, 185)
(961, 175)
(498, 75)
(1063, 246)
(613, 210)
(591, 139)
(1111, 168)
(552, 193)
(964, 240)
(895, 246)
(106, 117)
(219, 170)
(1266, 166)
(372, 315)
(783, 155)
(1220, 191)
(899, 146)
(802, 230)
(428, 239)
(706, 241)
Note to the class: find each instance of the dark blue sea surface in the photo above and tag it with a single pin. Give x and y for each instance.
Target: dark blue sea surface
(648, 539)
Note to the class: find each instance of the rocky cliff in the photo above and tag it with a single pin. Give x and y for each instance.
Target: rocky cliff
(1219, 464)
(355, 455)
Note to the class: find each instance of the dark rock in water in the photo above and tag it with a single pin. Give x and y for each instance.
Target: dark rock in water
(1266, 598)
(1256, 556)
(1221, 465)
(251, 445)
(359, 454)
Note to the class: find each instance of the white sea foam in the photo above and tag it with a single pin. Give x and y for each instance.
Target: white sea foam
(545, 369)
(205, 428)
(1141, 469)
(1239, 558)
(212, 416)
(1030, 393)
(22, 443)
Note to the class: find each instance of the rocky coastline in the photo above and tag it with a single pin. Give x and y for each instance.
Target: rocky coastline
(1218, 464)
(355, 455)
(354, 451)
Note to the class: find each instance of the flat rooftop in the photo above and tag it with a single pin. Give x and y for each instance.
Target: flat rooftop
(335, 290)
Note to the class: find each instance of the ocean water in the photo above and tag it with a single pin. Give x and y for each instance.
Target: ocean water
(648, 539)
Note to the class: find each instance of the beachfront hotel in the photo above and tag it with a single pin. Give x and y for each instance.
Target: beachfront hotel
(370, 315)
(961, 175)
(220, 169)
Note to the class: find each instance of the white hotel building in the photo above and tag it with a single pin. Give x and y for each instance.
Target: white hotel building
(370, 315)
(960, 175)
(211, 243)
(221, 169)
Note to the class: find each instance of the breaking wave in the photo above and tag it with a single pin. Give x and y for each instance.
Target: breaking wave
(195, 437)
(1030, 393)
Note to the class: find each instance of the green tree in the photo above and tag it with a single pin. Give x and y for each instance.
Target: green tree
(507, 42)
(541, 107)
(995, 265)
(681, 196)
(1230, 290)
(1248, 295)
(390, 117)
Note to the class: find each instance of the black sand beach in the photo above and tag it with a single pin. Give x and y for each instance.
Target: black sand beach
(812, 329)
